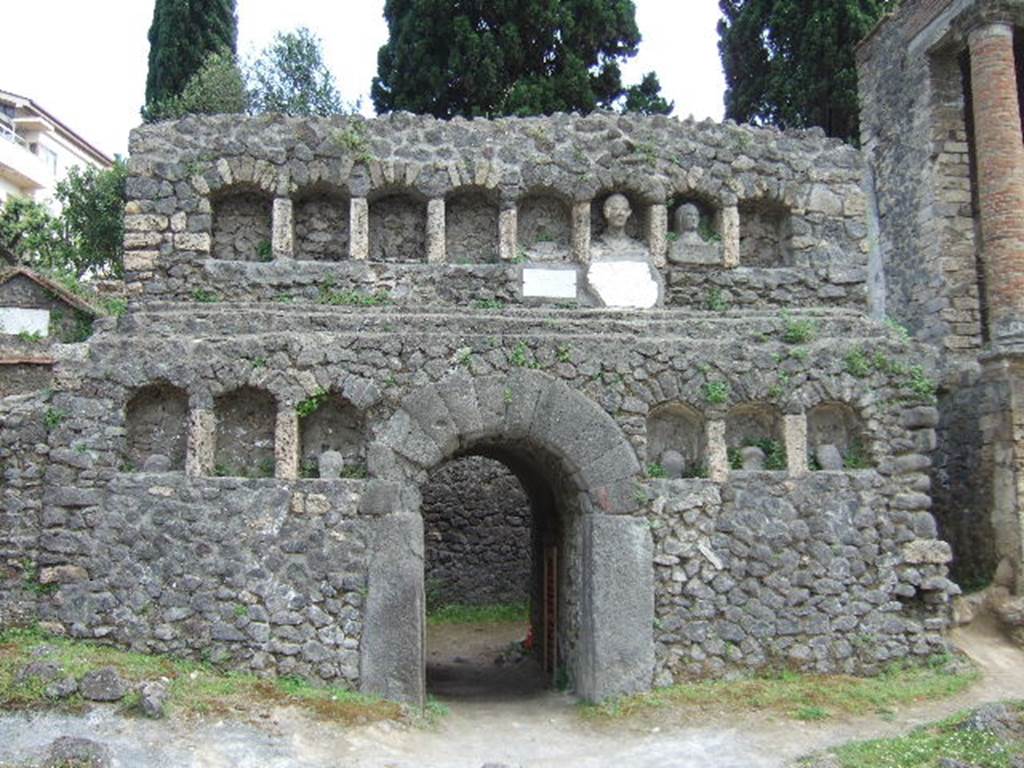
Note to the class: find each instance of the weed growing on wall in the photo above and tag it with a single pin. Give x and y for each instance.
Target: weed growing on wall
(716, 392)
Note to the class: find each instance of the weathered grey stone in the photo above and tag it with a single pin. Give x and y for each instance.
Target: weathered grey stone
(674, 465)
(43, 671)
(829, 458)
(103, 685)
(331, 465)
(392, 652)
(62, 574)
(616, 641)
(752, 457)
(61, 689)
(153, 698)
(157, 463)
(72, 752)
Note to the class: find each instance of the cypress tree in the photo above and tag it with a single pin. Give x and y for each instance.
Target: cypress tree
(790, 63)
(184, 33)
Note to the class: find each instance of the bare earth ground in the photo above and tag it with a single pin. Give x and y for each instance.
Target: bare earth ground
(520, 725)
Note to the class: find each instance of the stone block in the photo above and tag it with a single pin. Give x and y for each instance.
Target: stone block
(927, 551)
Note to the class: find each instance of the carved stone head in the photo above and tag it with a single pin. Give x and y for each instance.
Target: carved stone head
(617, 211)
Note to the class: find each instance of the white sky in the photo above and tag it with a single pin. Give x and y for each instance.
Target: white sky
(85, 61)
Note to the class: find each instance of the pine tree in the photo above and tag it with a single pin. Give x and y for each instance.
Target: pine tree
(506, 57)
(791, 63)
(183, 35)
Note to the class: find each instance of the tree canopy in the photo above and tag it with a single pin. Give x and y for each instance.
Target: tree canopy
(790, 63)
(290, 77)
(509, 57)
(182, 36)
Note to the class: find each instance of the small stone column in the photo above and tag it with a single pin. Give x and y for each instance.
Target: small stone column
(435, 232)
(1000, 160)
(730, 237)
(359, 229)
(286, 445)
(657, 233)
(283, 229)
(718, 454)
(508, 234)
(202, 426)
(794, 431)
(581, 233)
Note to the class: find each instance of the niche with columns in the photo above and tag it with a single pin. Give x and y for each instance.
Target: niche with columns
(694, 232)
(242, 225)
(244, 437)
(764, 234)
(156, 426)
(544, 222)
(471, 227)
(836, 438)
(677, 441)
(329, 422)
(636, 226)
(321, 222)
(755, 437)
(398, 227)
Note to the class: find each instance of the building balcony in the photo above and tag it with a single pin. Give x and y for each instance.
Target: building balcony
(19, 165)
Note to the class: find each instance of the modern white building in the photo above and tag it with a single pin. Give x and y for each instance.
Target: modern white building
(37, 149)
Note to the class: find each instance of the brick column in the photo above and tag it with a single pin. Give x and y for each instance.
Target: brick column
(1000, 155)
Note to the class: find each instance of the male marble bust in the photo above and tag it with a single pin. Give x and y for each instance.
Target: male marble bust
(621, 273)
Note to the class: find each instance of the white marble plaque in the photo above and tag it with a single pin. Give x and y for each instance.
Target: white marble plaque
(549, 283)
(624, 284)
(15, 320)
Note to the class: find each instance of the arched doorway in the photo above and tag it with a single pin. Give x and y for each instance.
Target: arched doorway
(580, 475)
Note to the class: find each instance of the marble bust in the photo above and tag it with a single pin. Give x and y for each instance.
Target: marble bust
(621, 273)
(688, 247)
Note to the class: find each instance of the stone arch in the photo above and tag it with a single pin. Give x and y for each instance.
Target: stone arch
(544, 224)
(756, 425)
(471, 225)
(838, 424)
(678, 427)
(156, 424)
(564, 448)
(397, 224)
(321, 222)
(765, 231)
(242, 223)
(638, 225)
(245, 434)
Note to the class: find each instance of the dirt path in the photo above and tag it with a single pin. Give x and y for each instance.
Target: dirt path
(530, 727)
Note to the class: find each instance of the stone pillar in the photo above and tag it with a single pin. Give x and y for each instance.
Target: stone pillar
(508, 234)
(283, 229)
(392, 660)
(286, 445)
(730, 228)
(657, 233)
(359, 229)
(718, 454)
(1000, 161)
(435, 232)
(581, 233)
(794, 432)
(616, 643)
(202, 426)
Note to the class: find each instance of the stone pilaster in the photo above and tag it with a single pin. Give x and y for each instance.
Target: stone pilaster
(508, 234)
(718, 454)
(436, 232)
(730, 229)
(1000, 163)
(286, 445)
(581, 233)
(657, 233)
(359, 229)
(282, 229)
(794, 430)
(202, 425)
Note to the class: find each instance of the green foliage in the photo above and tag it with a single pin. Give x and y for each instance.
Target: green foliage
(291, 78)
(791, 63)
(857, 363)
(217, 88)
(448, 58)
(478, 614)
(30, 337)
(75, 331)
(182, 36)
(521, 357)
(716, 301)
(33, 236)
(774, 454)
(716, 392)
(798, 331)
(312, 403)
(645, 98)
(354, 140)
(856, 457)
(351, 298)
(265, 250)
(655, 471)
(204, 296)
(53, 418)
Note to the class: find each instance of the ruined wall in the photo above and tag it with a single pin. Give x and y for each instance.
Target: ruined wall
(434, 208)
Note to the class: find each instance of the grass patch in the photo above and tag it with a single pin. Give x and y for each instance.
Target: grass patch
(478, 614)
(803, 696)
(925, 746)
(194, 688)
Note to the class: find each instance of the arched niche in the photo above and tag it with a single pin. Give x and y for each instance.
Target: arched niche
(471, 226)
(678, 428)
(156, 423)
(398, 227)
(636, 226)
(544, 227)
(764, 234)
(242, 222)
(332, 423)
(755, 425)
(837, 425)
(245, 434)
(694, 231)
(321, 220)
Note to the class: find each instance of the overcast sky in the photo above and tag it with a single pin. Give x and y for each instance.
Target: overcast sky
(85, 61)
